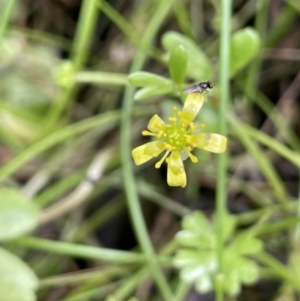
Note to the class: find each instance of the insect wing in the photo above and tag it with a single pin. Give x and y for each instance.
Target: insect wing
(192, 89)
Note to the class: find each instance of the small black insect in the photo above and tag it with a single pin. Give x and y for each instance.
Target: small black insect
(199, 87)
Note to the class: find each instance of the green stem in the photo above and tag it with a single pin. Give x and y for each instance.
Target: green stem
(80, 50)
(130, 186)
(263, 161)
(128, 30)
(252, 216)
(101, 276)
(297, 231)
(222, 159)
(81, 251)
(84, 32)
(279, 269)
(105, 120)
(107, 78)
(261, 19)
(5, 16)
(129, 286)
(283, 24)
(182, 290)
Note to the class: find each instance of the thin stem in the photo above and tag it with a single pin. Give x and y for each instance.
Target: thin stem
(80, 251)
(260, 25)
(222, 159)
(129, 182)
(80, 50)
(128, 30)
(263, 161)
(5, 16)
(279, 269)
(84, 32)
(297, 231)
(182, 291)
(98, 77)
(104, 120)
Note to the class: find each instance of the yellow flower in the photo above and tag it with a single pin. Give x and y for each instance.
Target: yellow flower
(177, 140)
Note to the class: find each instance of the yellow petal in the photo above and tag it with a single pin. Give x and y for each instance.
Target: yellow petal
(147, 151)
(211, 142)
(192, 106)
(176, 173)
(156, 124)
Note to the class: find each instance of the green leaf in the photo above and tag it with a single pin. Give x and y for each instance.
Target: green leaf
(204, 284)
(195, 264)
(18, 282)
(189, 239)
(228, 226)
(199, 67)
(63, 74)
(18, 215)
(147, 92)
(245, 243)
(197, 232)
(249, 271)
(197, 223)
(197, 267)
(232, 284)
(244, 45)
(238, 270)
(146, 79)
(185, 257)
(178, 65)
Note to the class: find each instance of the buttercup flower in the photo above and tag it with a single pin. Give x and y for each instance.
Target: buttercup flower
(177, 140)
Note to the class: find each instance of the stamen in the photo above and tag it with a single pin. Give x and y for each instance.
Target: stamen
(160, 133)
(193, 158)
(192, 126)
(168, 147)
(159, 163)
(147, 133)
(188, 139)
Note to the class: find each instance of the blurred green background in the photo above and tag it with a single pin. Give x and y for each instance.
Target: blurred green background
(79, 81)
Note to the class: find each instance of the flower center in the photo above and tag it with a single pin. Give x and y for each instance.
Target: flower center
(175, 136)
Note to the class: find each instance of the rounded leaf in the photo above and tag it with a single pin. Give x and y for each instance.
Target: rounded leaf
(198, 64)
(178, 64)
(18, 282)
(18, 215)
(151, 91)
(146, 79)
(244, 47)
